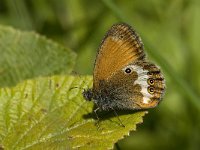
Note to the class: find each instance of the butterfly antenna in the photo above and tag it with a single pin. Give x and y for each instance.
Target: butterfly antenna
(76, 88)
(76, 74)
(86, 84)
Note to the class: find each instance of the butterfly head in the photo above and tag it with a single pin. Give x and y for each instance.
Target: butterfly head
(88, 94)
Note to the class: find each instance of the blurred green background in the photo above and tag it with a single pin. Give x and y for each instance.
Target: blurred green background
(170, 30)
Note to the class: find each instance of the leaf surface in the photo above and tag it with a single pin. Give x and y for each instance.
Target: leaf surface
(25, 55)
(50, 113)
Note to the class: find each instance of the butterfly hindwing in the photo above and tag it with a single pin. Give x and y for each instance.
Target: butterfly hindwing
(140, 88)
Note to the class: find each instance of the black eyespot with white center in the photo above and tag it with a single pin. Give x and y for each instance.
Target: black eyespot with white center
(151, 90)
(128, 70)
(150, 81)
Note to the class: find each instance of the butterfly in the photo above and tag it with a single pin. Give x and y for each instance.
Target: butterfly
(123, 79)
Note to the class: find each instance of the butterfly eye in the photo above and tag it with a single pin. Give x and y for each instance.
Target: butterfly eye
(151, 90)
(150, 81)
(128, 70)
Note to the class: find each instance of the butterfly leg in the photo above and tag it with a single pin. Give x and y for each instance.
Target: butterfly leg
(117, 117)
(95, 111)
(97, 117)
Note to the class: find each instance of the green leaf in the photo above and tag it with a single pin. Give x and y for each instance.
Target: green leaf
(50, 113)
(26, 55)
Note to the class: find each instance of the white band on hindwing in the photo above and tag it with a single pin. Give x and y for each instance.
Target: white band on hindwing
(142, 81)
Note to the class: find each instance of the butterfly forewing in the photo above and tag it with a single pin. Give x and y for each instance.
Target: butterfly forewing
(120, 46)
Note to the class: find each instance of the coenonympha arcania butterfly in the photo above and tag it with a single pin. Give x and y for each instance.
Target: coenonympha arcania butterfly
(123, 78)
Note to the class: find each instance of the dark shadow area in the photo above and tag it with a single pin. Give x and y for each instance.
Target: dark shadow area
(107, 115)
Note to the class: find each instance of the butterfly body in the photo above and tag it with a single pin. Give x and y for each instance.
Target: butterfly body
(123, 78)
